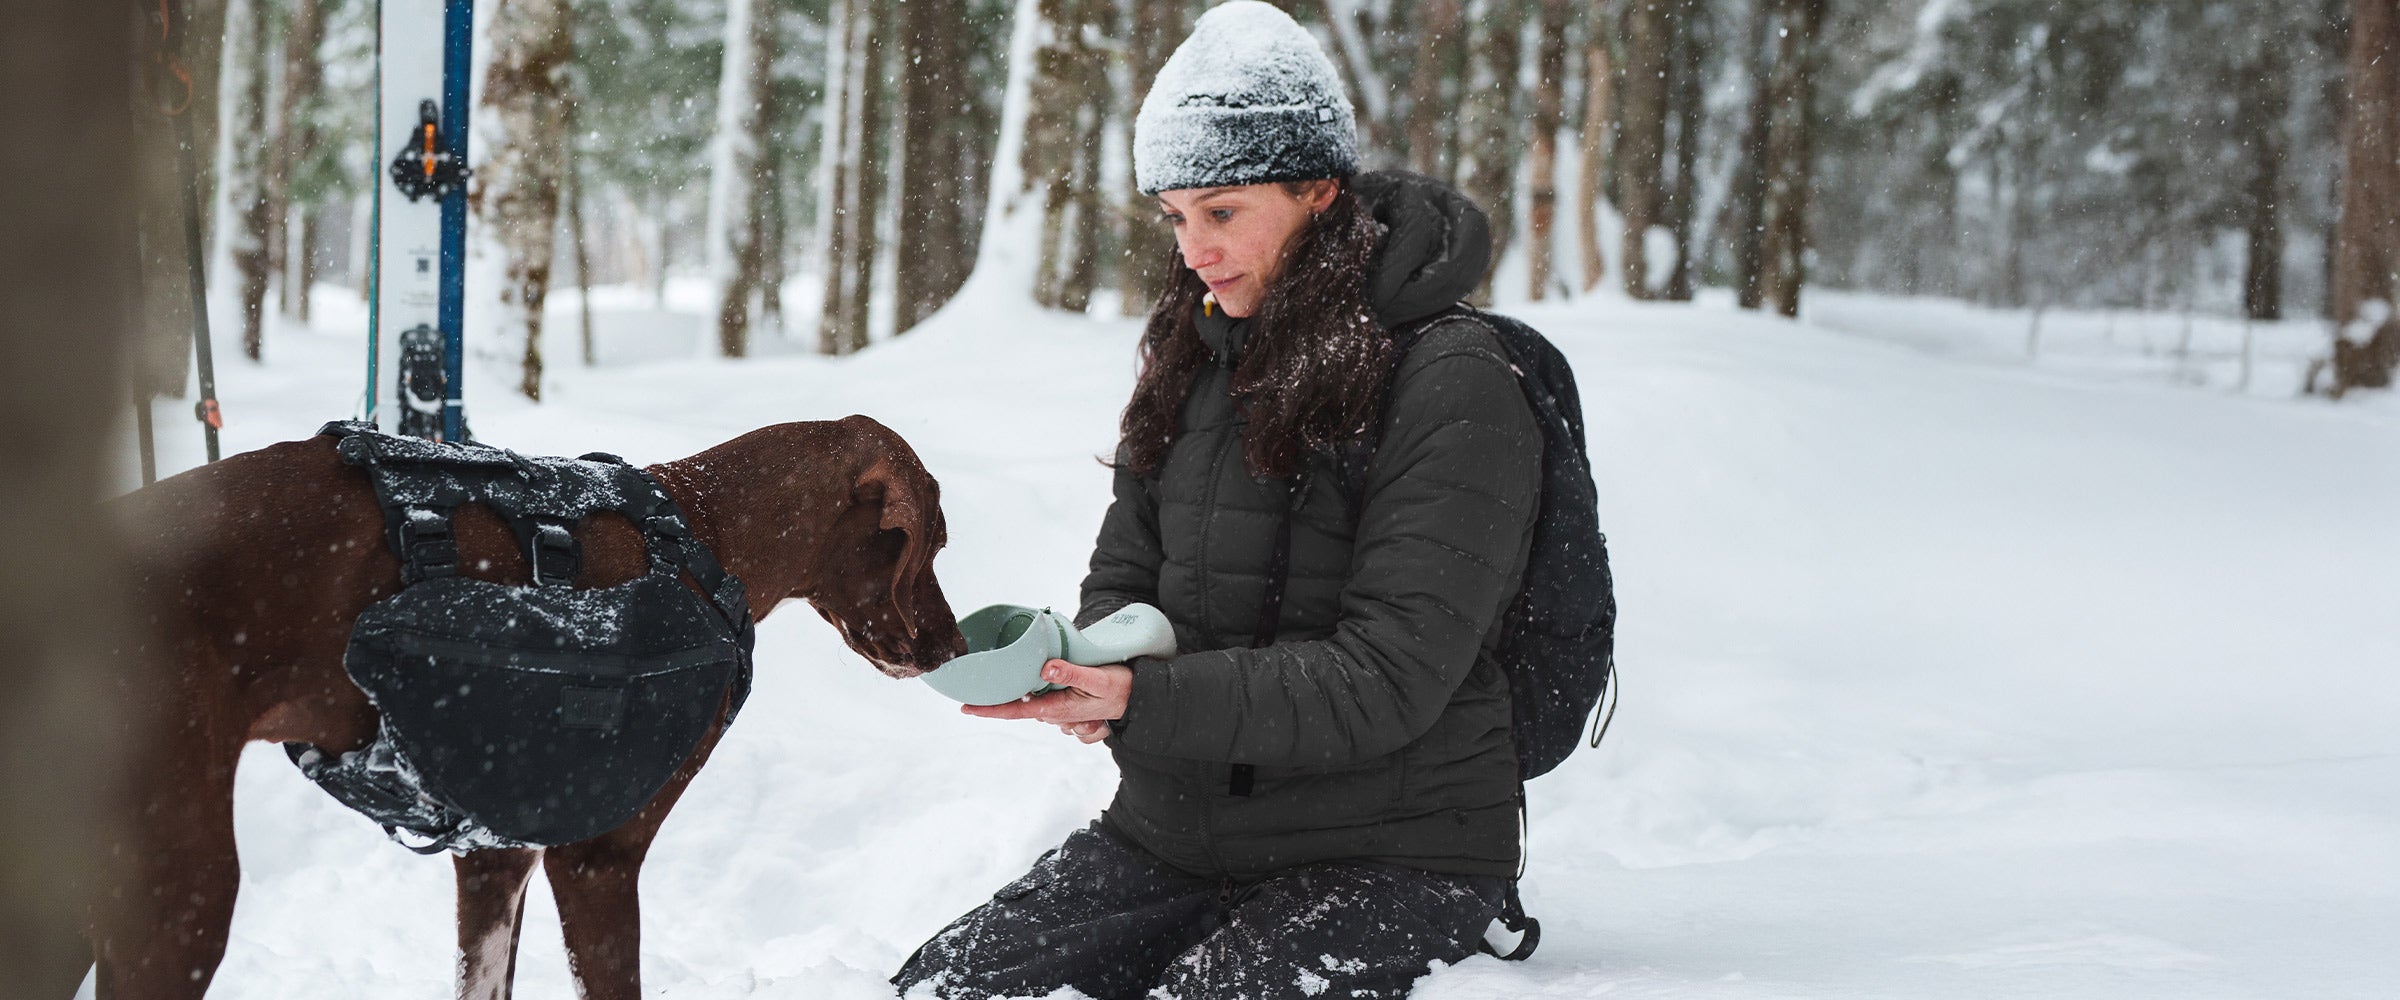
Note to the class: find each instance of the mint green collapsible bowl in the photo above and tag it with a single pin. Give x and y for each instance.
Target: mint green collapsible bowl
(1008, 643)
(1006, 647)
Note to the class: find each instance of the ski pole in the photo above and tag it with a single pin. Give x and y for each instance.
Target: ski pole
(211, 417)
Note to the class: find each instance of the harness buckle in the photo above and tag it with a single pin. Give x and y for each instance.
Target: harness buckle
(555, 556)
(427, 548)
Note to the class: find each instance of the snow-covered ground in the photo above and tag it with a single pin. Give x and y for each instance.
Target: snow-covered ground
(1946, 673)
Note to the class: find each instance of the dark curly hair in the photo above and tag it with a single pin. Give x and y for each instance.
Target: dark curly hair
(1310, 369)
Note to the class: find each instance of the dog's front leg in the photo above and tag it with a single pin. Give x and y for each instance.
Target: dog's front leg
(163, 928)
(597, 885)
(491, 908)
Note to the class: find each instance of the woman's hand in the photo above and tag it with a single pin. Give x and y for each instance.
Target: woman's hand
(1093, 696)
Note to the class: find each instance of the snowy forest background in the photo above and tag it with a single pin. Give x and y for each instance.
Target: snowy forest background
(825, 167)
(2006, 626)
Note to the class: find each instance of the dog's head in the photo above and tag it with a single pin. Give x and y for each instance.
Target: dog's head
(879, 588)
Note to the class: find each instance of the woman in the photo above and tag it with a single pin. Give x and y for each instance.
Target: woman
(1318, 795)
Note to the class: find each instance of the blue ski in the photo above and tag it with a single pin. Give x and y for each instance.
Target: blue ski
(421, 206)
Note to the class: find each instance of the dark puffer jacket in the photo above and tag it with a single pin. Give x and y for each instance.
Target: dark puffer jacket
(1376, 726)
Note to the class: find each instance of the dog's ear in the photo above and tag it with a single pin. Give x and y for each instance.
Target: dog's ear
(889, 482)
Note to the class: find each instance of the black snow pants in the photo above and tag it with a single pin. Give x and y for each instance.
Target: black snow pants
(1116, 923)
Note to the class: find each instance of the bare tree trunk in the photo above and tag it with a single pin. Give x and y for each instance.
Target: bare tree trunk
(774, 240)
(1549, 114)
(1641, 136)
(874, 19)
(1438, 41)
(244, 183)
(1143, 264)
(1354, 57)
(577, 233)
(1788, 156)
(1488, 174)
(1597, 77)
(1090, 208)
(933, 256)
(160, 359)
(200, 38)
(1062, 152)
(1684, 103)
(66, 636)
(302, 275)
(745, 123)
(840, 151)
(2366, 290)
(517, 187)
(2269, 99)
(1750, 179)
(295, 135)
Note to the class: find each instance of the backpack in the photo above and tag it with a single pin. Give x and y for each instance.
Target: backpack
(522, 716)
(1558, 639)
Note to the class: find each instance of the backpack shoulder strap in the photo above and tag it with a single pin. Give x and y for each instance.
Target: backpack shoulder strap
(1355, 455)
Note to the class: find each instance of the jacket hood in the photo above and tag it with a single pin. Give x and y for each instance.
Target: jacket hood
(1434, 251)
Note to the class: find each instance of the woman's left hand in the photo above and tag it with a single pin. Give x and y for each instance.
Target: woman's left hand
(1093, 696)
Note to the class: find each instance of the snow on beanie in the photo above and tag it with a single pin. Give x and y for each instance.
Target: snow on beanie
(1248, 99)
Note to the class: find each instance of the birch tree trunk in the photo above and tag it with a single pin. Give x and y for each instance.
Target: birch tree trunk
(1549, 114)
(1641, 137)
(1488, 173)
(517, 186)
(932, 258)
(1597, 77)
(1791, 117)
(2366, 289)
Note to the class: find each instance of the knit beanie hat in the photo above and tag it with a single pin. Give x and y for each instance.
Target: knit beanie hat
(1247, 99)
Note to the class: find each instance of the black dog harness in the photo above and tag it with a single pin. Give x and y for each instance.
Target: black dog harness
(527, 716)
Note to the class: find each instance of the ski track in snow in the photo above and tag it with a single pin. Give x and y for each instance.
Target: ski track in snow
(1944, 675)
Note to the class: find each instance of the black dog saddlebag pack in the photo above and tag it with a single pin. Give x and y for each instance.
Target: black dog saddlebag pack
(528, 715)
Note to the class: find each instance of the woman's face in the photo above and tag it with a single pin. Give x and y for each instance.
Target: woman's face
(1235, 238)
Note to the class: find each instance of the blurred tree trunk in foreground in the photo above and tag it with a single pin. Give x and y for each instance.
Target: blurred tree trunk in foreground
(67, 275)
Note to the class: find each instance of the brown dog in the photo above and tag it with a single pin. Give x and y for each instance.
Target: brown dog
(255, 568)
